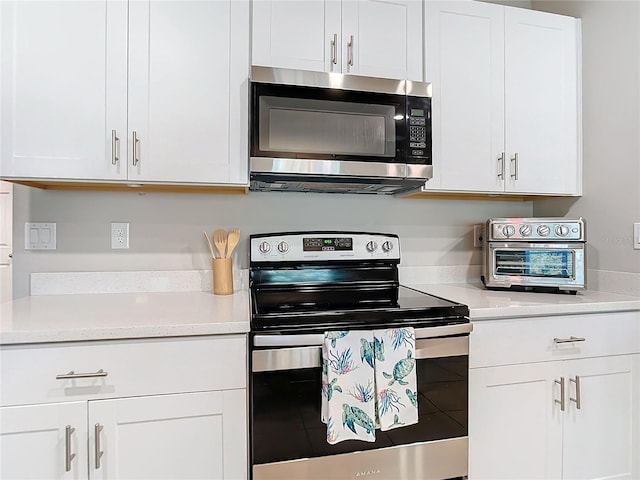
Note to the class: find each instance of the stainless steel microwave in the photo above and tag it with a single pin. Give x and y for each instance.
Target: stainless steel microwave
(329, 132)
(537, 254)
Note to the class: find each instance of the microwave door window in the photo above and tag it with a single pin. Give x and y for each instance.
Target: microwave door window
(535, 263)
(324, 127)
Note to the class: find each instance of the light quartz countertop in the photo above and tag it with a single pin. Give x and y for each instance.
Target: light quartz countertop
(62, 318)
(492, 304)
(77, 317)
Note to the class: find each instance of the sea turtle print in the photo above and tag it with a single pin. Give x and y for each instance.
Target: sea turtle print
(401, 370)
(413, 397)
(329, 388)
(352, 416)
(333, 336)
(371, 350)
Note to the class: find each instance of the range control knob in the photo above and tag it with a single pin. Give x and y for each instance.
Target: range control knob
(562, 230)
(387, 246)
(283, 247)
(264, 247)
(508, 230)
(372, 246)
(525, 230)
(543, 230)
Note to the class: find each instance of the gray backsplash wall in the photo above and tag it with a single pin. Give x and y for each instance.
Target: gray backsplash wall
(166, 229)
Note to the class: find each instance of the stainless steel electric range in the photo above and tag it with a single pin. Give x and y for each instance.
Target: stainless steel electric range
(305, 283)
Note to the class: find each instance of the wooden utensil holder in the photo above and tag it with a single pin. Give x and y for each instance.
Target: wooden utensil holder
(222, 276)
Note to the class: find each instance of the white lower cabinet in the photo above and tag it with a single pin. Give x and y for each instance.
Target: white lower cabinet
(563, 414)
(190, 435)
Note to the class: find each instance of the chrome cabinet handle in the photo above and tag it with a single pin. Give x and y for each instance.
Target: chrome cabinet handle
(561, 401)
(514, 170)
(571, 339)
(67, 442)
(115, 148)
(136, 140)
(577, 399)
(98, 452)
(501, 166)
(334, 49)
(72, 374)
(350, 51)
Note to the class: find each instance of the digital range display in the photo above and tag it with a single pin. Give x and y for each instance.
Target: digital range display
(327, 244)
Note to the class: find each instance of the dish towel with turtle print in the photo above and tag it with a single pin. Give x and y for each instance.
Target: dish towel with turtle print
(368, 382)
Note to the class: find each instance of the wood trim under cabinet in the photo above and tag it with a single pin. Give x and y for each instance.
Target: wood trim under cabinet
(132, 187)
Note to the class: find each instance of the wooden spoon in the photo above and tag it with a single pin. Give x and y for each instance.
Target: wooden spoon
(213, 255)
(220, 240)
(232, 240)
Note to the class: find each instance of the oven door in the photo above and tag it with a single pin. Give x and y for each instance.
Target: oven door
(288, 440)
(537, 265)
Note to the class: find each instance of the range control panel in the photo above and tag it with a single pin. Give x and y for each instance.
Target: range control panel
(536, 229)
(301, 246)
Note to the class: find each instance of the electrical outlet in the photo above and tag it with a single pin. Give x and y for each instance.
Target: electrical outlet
(636, 236)
(119, 235)
(478, 233)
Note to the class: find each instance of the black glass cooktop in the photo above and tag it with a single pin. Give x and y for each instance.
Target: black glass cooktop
(311, 309)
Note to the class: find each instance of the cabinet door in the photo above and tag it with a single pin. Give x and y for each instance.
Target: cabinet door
(465, 63)
(598, 435)
(188, 80)
(186, 436)
(302, 34)
(33, 441)
(541, 102)
(382, 38)
(515, 425)
(64, 88)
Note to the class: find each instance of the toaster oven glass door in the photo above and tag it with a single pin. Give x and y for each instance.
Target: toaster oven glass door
(541, 263)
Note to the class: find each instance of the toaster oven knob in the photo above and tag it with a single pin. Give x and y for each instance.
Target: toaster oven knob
(562, 230)
(387, 246)
(264, 247)
(371, 246)
(525, 230)
(508, 230)
(283, 247)
(543, 230)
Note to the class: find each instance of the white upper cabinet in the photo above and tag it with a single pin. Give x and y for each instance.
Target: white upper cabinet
(362, 37)
(465, 63)
(541, 102)
(64, 88)
(505, 104)
(186, 109)
(144, 91)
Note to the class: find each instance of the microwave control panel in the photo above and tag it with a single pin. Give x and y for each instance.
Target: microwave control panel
(419, 127)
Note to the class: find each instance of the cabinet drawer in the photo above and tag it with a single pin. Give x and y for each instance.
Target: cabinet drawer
(132, 367)
(506, 342)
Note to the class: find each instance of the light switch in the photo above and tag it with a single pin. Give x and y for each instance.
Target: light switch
(636, 236)
(39, 236)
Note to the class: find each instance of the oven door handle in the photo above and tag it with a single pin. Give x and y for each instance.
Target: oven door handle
(316, 339)
(294, 358)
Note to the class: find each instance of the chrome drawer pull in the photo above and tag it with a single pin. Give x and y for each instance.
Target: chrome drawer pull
(98, 452)
(72, 374)
(577, 399)
(571, 339)
(561, 401)
(67, 442)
